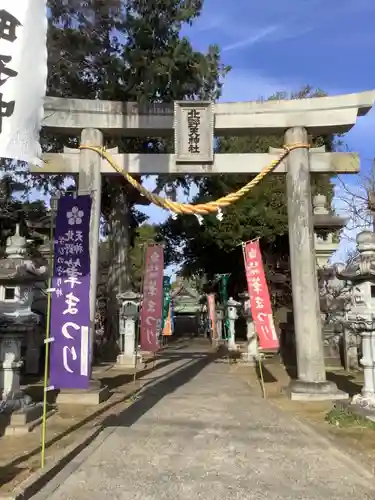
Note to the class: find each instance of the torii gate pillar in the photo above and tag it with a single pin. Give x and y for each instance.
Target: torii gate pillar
(311, 383)
(90, 182)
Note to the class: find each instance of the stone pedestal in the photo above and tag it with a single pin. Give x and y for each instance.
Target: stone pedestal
(129, 313)
(10, 365)
(95, 395)
(18, 414)
(127, 357)
(232, 306)
(299, 390)
(368, 363)
(219, 324)
(251, 354)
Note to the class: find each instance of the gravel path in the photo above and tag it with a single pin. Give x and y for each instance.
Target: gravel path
(197, 432)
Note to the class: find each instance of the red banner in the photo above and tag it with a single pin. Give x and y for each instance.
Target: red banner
(211, 309)
(260, 302)
(152, 304)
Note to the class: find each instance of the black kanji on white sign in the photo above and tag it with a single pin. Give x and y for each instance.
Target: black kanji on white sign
(8, 26)
(6, 110)
(5, 72)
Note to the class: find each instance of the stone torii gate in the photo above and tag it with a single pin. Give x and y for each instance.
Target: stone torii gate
(194, 125)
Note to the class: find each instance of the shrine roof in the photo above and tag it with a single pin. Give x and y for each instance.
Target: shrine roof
(185, 291)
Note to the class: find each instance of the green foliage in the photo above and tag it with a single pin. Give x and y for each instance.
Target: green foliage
(145, 235)
(126, 51)
(14, 209)
(344, 418)
(215, 247)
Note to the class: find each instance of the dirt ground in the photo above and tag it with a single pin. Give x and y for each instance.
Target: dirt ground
(20, 456)
(356, 440)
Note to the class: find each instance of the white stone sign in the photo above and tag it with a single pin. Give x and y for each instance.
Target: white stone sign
(194, 131)
(23, 75)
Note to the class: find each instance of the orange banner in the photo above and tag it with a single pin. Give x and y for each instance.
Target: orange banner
(167, 330)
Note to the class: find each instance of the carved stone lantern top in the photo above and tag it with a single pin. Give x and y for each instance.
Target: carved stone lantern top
(128, 296)
(129, 302)
(323, 219)
(244, 295)
(246, 307)
(15, 269)
(326, 225)
(362, 267)
(232, 309)
(319, 204)
(233, 303)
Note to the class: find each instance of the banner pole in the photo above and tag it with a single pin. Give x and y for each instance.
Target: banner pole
(47, 339)
(263, 385)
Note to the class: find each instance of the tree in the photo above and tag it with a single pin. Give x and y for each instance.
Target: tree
(356, 201)
(15, 210)
(215, 247)
(145, 235)
(116, 50)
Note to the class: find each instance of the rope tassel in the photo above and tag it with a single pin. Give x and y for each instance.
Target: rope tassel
(201, 208)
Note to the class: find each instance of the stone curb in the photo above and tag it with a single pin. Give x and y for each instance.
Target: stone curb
(34, 483)
(355, 410)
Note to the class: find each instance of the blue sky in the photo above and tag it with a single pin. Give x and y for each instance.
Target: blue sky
(282, 45)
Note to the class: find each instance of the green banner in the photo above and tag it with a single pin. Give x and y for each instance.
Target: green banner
(166, 298)
(223, 291)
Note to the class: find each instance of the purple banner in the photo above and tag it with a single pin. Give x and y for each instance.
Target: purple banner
(70, 308)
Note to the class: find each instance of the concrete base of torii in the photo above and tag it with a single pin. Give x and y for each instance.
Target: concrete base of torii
(95, 395)
(298, 390)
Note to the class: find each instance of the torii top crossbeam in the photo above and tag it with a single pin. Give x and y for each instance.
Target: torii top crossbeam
(319, 115)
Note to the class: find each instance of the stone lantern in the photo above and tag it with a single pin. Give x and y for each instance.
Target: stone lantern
(128, 317)
(360, 271)
(219, 323)
(252, 351)
(326, 225)
(18, 322)
(232, 307)
(332, 299)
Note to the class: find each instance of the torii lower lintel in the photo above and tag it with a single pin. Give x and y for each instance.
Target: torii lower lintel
(152, 164)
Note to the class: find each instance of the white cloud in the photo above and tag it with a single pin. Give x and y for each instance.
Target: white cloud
(204, 24)
(273, 33)
(255, 37)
